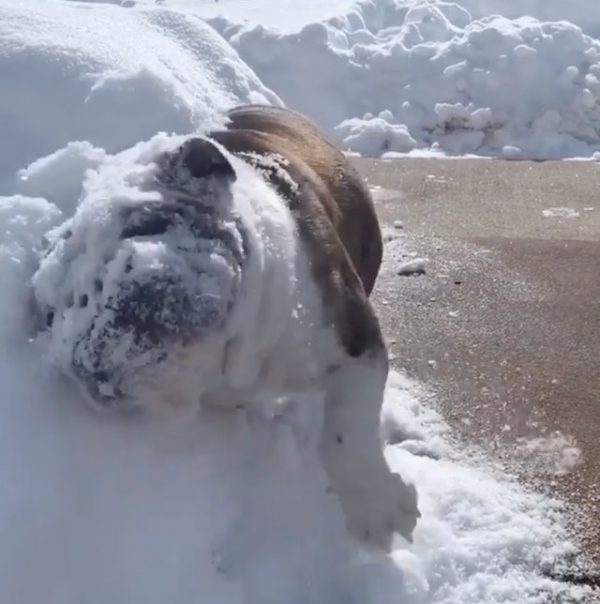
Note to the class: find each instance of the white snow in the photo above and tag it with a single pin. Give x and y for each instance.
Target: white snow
(399, 77)
(233, 508)
(109, 76)
(416, 266)
(555, 453)
(560, 212)
(518, 79)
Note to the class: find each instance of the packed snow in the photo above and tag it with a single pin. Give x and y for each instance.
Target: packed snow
(109, 76)
(233, 508)
(399, 77)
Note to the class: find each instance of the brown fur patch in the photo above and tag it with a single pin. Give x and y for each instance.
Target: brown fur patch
(352, 211)
(333, 210)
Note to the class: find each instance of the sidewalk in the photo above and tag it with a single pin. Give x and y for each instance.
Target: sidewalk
(505, 324)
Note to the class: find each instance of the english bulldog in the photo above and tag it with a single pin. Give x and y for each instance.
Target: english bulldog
(226, 268)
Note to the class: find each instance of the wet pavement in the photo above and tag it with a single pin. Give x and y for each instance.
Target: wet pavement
(504, 326)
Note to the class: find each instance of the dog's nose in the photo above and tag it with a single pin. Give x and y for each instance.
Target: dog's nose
(146, 318)
(160, 307)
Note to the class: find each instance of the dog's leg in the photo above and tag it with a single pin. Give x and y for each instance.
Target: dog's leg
(376, 502)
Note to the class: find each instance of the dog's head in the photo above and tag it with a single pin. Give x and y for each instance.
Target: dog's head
(149, 267)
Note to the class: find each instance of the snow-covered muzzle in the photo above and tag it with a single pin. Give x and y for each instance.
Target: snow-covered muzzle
(150, 265)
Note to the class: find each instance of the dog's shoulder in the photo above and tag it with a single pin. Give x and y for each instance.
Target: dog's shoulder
(334, 232)
(348, 203)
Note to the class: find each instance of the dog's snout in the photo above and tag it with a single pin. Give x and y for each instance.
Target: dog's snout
(146, 319)
(152, 309)
(164, 308)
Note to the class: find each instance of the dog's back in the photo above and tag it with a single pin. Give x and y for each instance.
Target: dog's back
(299, 140)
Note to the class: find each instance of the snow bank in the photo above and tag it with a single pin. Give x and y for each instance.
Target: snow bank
(382, 77)
(579, 12)
(391, 77)
(109, 76)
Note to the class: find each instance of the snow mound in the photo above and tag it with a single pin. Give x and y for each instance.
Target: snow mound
(576, 11)
(109, 76)
(390, 77)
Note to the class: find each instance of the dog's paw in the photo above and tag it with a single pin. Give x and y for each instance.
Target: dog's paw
(379, 508)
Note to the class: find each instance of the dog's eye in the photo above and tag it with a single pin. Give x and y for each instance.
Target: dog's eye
(147, 226)
(49, 318)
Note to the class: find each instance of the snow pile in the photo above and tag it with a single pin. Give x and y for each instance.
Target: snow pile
(383, 77)
(395, 77)
(579, 12)
(109, 76)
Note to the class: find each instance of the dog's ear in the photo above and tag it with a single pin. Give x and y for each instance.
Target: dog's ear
(196, 158)
(203, 158)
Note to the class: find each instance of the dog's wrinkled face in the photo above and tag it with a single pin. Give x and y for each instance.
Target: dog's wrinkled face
(150, 265)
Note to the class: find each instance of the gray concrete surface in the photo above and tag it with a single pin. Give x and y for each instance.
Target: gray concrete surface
(505, 324)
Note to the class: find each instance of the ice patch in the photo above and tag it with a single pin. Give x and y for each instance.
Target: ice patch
(560, 212)
(375, 136)
(382, 194)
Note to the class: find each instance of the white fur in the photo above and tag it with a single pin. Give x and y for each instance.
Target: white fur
(376, 503)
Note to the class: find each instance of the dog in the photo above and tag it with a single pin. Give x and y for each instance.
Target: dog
(222, 269)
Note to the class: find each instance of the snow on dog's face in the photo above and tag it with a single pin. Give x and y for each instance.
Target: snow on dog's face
(149, 266)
